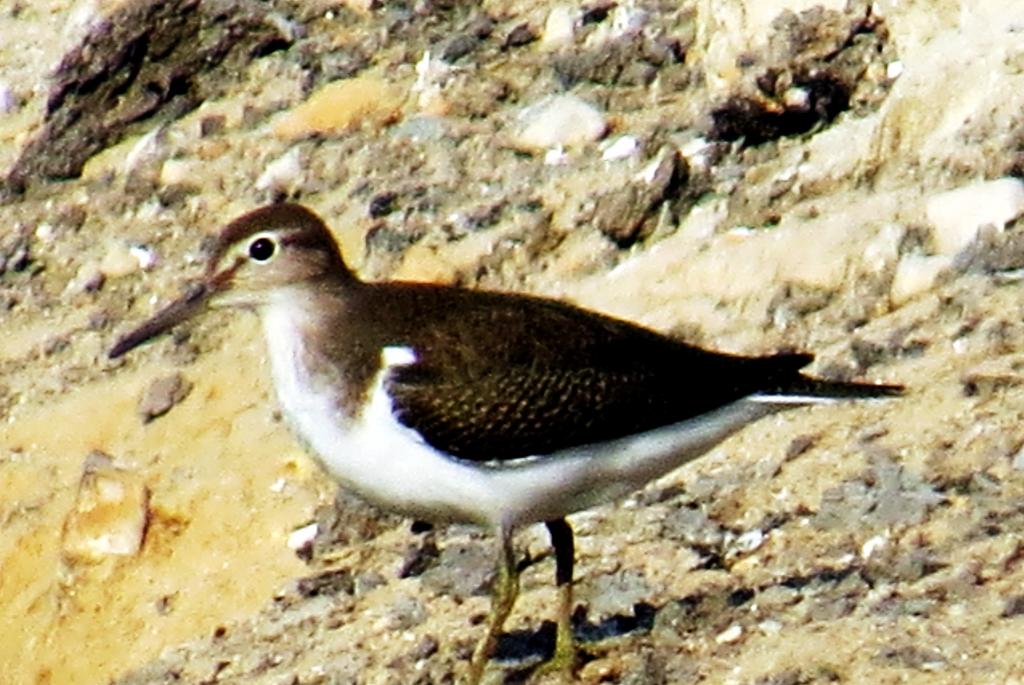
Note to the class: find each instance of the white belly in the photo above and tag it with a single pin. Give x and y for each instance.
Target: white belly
(389, 465)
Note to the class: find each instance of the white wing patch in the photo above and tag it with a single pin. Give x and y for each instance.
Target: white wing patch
(792, 399)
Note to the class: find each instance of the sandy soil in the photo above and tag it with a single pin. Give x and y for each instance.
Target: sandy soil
(772, 175)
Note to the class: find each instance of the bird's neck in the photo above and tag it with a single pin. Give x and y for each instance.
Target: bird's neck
(306, 335)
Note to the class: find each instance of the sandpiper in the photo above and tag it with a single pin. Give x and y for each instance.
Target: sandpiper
(497, 409)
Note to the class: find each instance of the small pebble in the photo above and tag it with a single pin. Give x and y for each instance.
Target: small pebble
(620, 148)
(748, 541)
(956, 216)
(212, 125)
(626, 20)
(302, 536)
(697, 152)
(118, 261)
(161, 396)
(419, 557)
(564, 120)
(519, 36)
(457, 47)
(556, 156)
(422, 127)
(796, 98)
(426, 648)
(340, 106)
(146, 151)
(872, 545)
(282, 175)
(463, 569)
(916, 274)
(89, 278)
(328, 583)
(431, 76)
(560, 27)
(110, 513)
(617, 593)
(179, 172)
(730, 635)
(45, 232)
(99, 319)
(1014, 606)
(406, 613)
(361, 6)
(145, 257)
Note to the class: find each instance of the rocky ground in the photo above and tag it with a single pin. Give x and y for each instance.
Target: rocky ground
(751, 176)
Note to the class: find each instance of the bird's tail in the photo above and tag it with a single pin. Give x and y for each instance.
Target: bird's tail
(792, 387)
(813, 390)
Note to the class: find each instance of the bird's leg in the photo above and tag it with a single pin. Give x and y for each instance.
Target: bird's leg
(503, 597)
(564, 659)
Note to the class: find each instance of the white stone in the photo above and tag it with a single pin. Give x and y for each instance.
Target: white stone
(45, 232)
(956, 216)
(872, 545)
(796, 98)
(730, 634)
(625, 20)
(146, 257)
(696, 152)
(560, 27)
(556, 156)
(620, 148)
(432, 74)
(558, 120)
(749, 541)
(283, 174)
(177, 171)
(650, 171)
(302, 536)
(916, 274)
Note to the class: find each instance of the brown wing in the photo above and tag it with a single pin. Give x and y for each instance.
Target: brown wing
(519, 377)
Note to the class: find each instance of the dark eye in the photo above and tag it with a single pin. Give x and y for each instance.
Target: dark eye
(262, 249)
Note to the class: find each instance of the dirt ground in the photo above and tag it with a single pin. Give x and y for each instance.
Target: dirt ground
(748, 175)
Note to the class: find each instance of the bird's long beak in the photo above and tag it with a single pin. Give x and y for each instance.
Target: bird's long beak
(194, 299)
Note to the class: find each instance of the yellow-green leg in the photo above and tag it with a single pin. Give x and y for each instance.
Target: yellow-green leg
(564, 659)
(503, 597)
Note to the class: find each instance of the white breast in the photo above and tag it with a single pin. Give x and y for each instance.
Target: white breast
(372, 454)
(390, 465)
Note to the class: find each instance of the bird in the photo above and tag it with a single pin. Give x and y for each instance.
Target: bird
(449, 404)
